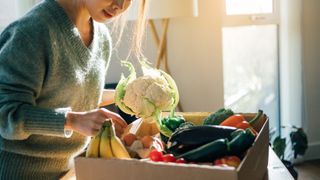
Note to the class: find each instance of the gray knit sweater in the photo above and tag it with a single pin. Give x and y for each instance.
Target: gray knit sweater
(46, 70)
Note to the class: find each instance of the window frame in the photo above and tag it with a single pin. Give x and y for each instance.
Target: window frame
(251, 19)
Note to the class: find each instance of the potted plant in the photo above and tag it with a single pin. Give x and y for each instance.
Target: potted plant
(299, 145)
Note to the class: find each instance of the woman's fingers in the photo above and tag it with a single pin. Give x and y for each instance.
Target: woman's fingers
(97, 126)
(93, 132)
(116, 118)
(91, 128)
(119, 129)
(89, 123)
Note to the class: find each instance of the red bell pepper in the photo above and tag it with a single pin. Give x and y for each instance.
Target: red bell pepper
(238, 121)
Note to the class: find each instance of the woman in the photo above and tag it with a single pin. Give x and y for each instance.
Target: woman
(53, 63)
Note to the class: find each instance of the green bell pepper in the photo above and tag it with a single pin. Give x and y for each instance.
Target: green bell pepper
(217, 117)
(242, 141)
(170, 124)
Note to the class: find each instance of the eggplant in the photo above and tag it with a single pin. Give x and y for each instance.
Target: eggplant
(192, 137)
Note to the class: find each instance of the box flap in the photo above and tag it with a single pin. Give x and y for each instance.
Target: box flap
(117, 169)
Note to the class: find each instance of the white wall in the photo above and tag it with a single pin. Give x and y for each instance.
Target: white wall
(194, 65)
(8, 12)
(311, 74)
(12, 9)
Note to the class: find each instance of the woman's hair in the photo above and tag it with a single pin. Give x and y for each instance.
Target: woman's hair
(140, 28)
(119, 25)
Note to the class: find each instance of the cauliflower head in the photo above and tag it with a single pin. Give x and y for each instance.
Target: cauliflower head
(146, 96)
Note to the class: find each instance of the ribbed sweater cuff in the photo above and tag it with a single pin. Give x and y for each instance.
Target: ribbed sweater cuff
(46, 121)
(16, 166)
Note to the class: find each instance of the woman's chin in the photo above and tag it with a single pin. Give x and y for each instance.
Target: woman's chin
(101, 19)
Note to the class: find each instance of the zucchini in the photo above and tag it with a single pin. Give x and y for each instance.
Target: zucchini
(208, 152)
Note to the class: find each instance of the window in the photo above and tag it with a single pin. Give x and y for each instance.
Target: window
(250, 57)
(237, 7)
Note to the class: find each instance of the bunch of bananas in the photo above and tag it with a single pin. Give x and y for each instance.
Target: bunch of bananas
(106, 144)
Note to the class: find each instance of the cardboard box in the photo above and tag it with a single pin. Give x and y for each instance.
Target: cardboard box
(253, 166)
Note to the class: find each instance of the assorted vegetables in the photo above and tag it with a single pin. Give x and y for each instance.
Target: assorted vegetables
(222, 139)
(224, 144)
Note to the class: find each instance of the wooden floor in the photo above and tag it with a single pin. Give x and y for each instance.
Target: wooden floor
(309, 170)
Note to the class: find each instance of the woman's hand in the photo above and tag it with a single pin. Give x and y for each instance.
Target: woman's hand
(89, 123)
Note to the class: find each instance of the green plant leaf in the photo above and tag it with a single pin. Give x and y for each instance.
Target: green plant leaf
(279, 146)
(299, 142)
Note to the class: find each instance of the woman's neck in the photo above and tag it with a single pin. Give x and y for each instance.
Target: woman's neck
(80, 16)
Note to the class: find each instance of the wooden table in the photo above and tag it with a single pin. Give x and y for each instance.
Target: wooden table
(276, 170)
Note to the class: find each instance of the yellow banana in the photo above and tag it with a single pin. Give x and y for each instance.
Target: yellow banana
(118, 149)
(105, 144)
(93, 147)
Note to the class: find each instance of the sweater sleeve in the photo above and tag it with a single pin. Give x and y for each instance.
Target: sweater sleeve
(22, 73)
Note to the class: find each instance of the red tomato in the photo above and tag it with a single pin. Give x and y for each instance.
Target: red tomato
(156, 155)
(219, 161)
(180, 160)
(233, 161)
(228, 160)
(169, 158)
